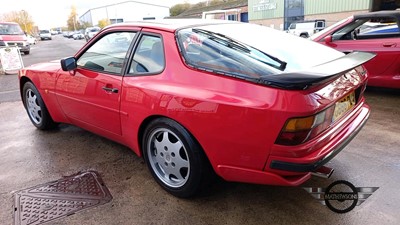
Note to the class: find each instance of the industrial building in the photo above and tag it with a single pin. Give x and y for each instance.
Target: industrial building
(232, 10)
(279, 14)
(125, 11)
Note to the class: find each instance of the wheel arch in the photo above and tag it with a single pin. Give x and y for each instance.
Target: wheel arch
(149, 119)
(305, 34)
(23, 80)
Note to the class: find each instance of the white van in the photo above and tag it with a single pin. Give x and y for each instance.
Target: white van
(306, 28)
(45, 34)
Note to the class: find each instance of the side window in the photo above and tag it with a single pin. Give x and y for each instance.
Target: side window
(320, 24)
(368, 28)
(149, 56)
(107, 54)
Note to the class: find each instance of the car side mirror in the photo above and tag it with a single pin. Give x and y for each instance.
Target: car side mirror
(68, 64)
(328, 39)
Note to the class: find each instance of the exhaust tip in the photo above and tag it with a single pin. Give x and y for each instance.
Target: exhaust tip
(323, 171)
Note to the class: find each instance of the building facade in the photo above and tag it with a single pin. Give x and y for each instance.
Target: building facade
(125, 11)
(279, 14)
(232, 10)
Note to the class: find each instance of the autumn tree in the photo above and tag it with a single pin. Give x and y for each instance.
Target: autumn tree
(72, 23)
(103, 23)
(22, 18)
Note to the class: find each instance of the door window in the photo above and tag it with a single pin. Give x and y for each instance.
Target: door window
(108, 54)
(149, 56)
(368, 28)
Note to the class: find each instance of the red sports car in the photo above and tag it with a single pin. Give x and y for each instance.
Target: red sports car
(198, 97)
(376, 32)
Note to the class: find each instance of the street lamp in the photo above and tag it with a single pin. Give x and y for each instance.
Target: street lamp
(24, 20)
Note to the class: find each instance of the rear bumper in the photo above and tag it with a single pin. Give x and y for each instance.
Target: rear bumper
(25, 48)
(322, 149)
(295, 170)
(311, 167)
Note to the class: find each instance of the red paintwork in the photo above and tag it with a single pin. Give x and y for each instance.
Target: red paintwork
(236, 122)
(384, 69)
(14, 37)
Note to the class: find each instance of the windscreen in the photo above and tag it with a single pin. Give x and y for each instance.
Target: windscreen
(10, 29)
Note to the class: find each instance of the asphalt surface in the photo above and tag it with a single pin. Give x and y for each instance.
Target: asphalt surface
(29, 157)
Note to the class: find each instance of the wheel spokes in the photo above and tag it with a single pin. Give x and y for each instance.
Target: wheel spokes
(33, 107)
(169, 158)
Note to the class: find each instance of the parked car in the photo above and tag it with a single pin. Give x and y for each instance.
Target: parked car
(53, 32)
(11, 35)
(90, 32)
(306, 28)
(196, 97)
(45, 34)
(78, 36)
(376, 32)
(31, 39)
(70, 34)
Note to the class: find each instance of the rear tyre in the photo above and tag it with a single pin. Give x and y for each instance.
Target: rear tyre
(36, 108)
(27, 53)
(174, 158)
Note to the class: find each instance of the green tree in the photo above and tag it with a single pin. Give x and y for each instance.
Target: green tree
(22, 17)
(179, 8)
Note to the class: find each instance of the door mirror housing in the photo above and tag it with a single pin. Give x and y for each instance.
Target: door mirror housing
(68, 64)
(328, 39)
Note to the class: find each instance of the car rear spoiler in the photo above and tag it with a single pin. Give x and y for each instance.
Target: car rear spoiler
(319, 74)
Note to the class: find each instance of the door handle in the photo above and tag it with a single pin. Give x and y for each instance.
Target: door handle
(112, 90)
(389, 44)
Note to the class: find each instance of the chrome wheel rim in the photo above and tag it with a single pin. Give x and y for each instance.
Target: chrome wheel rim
(168, 157)
(33, 107)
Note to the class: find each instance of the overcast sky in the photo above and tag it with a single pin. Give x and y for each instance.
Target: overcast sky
(54, 13)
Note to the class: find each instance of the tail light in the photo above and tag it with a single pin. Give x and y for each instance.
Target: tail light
(302, 129)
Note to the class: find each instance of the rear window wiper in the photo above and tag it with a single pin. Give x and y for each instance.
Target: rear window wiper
(239, 46)
(224, 39)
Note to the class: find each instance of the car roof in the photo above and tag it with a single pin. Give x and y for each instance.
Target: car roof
(172, 24)
(388, 13)
(8, 23)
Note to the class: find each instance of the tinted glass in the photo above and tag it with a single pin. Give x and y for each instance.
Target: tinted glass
(261, 45)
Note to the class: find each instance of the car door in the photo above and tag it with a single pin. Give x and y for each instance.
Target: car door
(378, 35)
(387, 50)
(90, 95)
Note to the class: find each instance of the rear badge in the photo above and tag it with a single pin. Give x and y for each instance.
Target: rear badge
(60, 198)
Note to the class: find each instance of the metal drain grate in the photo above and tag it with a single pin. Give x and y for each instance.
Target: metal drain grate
(53, 200)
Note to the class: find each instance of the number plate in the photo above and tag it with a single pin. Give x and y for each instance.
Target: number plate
(344, 105)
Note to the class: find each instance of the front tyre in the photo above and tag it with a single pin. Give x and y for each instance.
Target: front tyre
(36, 108)
(174, 158)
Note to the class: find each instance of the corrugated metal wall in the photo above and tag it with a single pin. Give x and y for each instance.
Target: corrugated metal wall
(262, 9)
(333, 6)
(310, 7)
